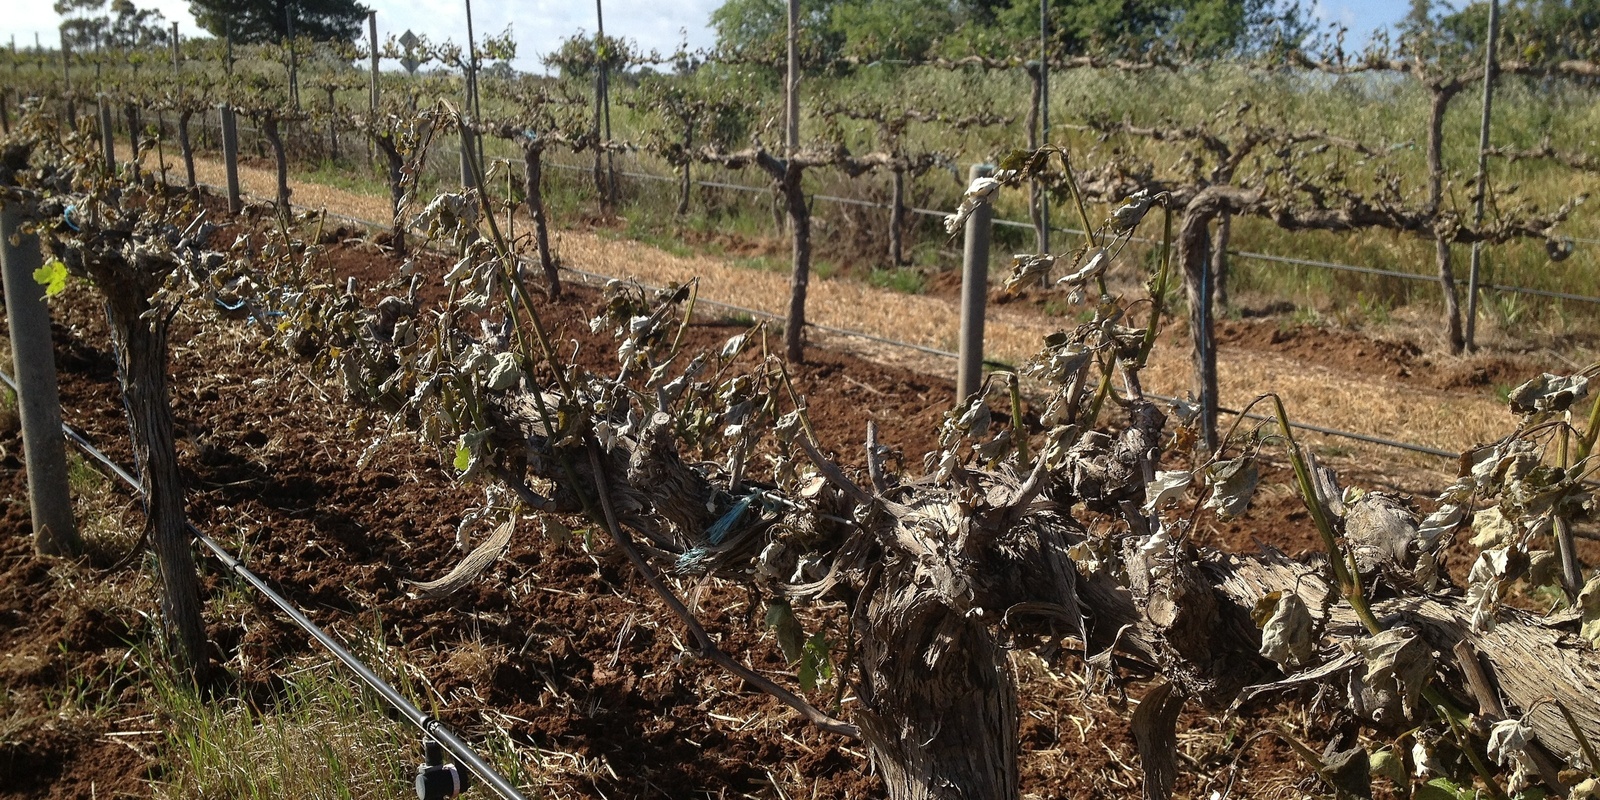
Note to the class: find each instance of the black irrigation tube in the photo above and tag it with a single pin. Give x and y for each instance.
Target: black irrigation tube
(1306, 426)
(429, 726)
(1360, 437)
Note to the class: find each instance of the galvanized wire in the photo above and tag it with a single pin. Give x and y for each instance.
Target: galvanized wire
(1245, 254)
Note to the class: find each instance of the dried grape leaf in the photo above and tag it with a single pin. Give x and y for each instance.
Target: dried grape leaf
(1589, 607)
(977, 194)
(976, 419)
(1490, 528)
(1027, 268)
(1287, 634)
(1509, 743)
(1439, 523)
(732, 347)
(791, 638)
(1093, 268)
(1168, 486)
(1127, 216)
(1398, 665)
(1233, 483)
(1485, 586)
(1548, 393)
(504, 373)
(1349, 772)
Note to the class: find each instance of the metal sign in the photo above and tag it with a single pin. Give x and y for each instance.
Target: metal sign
(409, 41)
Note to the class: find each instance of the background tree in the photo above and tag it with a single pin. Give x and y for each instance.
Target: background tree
(581, 54)
(1419, 18)
(908, 29)
(1531, 30)
(257, 21)
(1207, 27)
(94, 24)
(756, 29)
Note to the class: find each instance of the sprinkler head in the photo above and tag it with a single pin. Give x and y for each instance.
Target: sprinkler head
(437, 780)
(438, 783)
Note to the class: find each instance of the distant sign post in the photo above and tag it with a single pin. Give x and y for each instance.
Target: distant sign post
(409, 41)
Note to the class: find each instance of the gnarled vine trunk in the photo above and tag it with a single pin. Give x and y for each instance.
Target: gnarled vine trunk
(794, 341)
(397, 190)
(1194, 255)
(140, 333)
(187, 148)
(941, 722)
(533, 189)
(897, 218)
(1036, 189)
(142, 358)
(685, 180)
(131, 112)
(1219, 260)
(269, 127)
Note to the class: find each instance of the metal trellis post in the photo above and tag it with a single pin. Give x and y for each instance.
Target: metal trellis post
(1044, 116)
(1489, 70)
(230, 158)
(974, 292)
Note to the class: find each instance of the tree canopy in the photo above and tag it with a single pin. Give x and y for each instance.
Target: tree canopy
(581, 54)
(904, 29)
(95, 24)
(254, 21)
(1532, 30)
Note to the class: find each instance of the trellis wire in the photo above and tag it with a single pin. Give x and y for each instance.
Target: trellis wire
(1326, 431)
(1246, 254)
(1011, 223)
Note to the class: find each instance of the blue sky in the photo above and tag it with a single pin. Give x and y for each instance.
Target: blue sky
(540, 25)
(1360, 16)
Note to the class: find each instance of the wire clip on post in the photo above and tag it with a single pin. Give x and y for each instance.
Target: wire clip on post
(437, 780)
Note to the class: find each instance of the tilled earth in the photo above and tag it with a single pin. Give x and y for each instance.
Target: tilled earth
(560, 643)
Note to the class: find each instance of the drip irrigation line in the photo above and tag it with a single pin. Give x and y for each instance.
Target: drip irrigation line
(1306, 426)
(430, 727)
(1360, 437)
(1540, 293)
